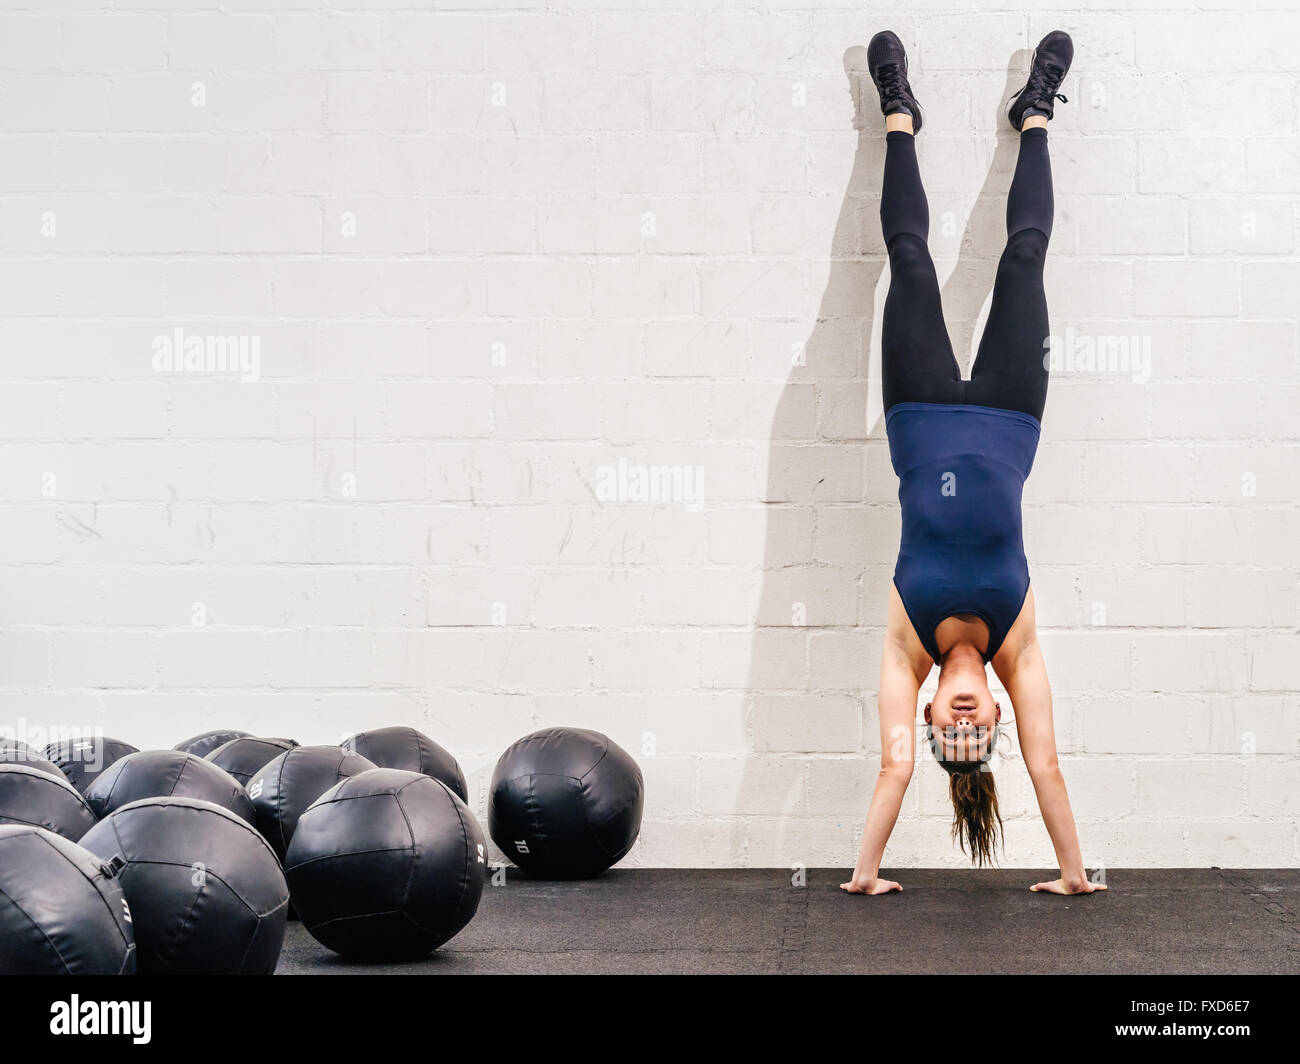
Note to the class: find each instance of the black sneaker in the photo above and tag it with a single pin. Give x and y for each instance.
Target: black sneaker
(887, 61)
(1052, 59)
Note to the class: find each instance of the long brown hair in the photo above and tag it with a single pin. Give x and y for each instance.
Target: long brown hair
(976, 822)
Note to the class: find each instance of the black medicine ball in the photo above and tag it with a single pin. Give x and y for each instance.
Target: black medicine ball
(386, 866)
(61, 910)
(44, 800)
(166, 774)
(202, 745)
(17, 753)
(565, 803)
(410, 750)
(282, 790)
(206, 892)
(82, 760)
(243, 757)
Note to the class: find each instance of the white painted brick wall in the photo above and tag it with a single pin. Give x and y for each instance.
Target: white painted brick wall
(490, 249)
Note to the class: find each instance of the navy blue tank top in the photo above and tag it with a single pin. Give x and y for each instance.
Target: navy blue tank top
(961, 471)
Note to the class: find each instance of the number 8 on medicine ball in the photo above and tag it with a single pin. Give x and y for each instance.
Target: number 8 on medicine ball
(565, 803)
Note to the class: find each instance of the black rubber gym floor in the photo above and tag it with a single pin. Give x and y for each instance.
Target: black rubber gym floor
(1151, 921)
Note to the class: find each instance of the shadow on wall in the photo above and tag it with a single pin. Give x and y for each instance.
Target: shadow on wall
(798, 808)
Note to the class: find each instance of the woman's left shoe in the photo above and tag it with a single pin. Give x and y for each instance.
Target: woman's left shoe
(1051, 62)
(887, 62)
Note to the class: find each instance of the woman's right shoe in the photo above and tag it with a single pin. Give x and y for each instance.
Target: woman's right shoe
(1051, 62)
(887, 62)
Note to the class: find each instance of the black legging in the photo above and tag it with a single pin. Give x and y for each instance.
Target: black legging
(1010, 369)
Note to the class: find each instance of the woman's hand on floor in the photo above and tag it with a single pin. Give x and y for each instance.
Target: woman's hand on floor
(1060, 886)
(870, 886)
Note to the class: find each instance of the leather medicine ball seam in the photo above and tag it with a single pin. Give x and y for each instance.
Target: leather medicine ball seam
(279, 802)
(41, 930)
(415, 851)
(188, 923)
(333, 920)
(465, 840)
(470, 857)
(582, 804)
(60, 784)
(357, 853)
(551, 775)
(351, 853)
(112, 786)
(156, 803)
(180, 773)
(339, 777)
(176, 944)
(582, 779)
(586, 818)
(533, 806)
(209, 874)
(253, 932)
(28, 917)
(165, 801)
(593, 768)
(17, 821)
(614, 857)
(94, 890)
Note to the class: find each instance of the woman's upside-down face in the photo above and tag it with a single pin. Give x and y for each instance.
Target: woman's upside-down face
(963, 717)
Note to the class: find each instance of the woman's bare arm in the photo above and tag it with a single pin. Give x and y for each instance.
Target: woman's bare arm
(1031, 697)
(899, 686)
